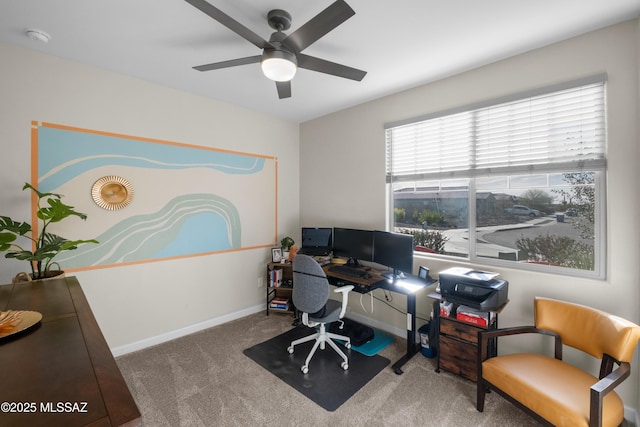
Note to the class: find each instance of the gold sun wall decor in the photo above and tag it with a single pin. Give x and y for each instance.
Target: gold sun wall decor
(112, 192)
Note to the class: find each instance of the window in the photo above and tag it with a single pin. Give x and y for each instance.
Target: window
(517, 181)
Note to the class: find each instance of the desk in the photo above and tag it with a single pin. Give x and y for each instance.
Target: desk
(65, 358)
(409, 286)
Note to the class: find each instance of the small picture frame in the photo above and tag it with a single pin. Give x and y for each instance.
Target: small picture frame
(423, 273)
(276, 254)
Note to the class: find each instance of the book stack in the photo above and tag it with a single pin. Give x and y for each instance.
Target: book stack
(279, 304)
(275, 278)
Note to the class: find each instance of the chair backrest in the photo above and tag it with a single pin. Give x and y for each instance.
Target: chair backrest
(590, 330)
(310, 284)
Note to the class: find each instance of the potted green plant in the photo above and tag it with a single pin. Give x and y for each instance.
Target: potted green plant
(286, 243)
(46, 246)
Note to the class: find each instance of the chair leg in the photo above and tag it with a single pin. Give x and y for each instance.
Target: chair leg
(321, 337)
(347, 340)
(310, 355)
(481, 391)
(323, 334)
(303, 340)
(337, 350)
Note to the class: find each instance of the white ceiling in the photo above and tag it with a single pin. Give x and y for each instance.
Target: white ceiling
(401, 44)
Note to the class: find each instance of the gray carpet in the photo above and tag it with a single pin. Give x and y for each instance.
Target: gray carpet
(205, 380)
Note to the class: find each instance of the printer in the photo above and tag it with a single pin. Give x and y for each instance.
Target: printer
(480, 290)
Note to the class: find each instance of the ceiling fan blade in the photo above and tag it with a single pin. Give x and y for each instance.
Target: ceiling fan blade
(229, 63)
(230, 23)
(284, 89)
(319, 25)
(323, 66)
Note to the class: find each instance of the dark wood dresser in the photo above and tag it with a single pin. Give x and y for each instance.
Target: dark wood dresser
(60, 372)
(458, 345)
(457, 340)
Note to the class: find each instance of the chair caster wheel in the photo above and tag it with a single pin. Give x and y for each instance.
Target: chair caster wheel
(305, 369)
(290, 350)
(344, 365)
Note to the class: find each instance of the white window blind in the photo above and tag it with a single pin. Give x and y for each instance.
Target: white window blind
(561, 130)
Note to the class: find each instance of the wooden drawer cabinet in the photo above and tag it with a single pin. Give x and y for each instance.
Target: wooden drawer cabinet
(459, 348)
(459, 330)
(458, 345)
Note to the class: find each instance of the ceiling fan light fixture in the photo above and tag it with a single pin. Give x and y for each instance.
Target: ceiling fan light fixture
(279, 65)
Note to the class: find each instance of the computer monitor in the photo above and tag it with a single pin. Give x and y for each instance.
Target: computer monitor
(316, 237)
(353, 244)
(394, 250)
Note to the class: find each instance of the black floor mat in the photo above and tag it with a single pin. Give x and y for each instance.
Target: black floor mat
(327, 384)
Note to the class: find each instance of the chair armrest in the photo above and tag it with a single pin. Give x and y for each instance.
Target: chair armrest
(344, 290)
(494, 333)
(600, 389)
(485, 335)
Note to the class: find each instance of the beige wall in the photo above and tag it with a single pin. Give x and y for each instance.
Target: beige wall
(137, 303)
(342, 159)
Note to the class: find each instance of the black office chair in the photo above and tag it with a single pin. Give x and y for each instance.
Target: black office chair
(311, 298)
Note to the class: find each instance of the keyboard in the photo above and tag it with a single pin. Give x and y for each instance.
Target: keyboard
(347, 271)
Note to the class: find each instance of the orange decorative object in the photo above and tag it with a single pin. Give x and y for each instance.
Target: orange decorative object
(293, 251)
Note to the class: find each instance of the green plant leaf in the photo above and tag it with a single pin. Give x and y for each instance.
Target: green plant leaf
(48, 245)
(6, 240)
(57, 211)
(19, 228)
(21, 255)
(73, 244)
(38, 193)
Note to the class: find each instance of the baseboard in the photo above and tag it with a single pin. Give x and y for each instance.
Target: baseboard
(187, 330)
(402, 333)
(159, 339)
(632, 416)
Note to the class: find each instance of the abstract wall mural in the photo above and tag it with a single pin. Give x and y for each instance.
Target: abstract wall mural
(181, 200)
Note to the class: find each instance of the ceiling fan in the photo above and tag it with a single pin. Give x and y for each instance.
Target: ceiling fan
(282, 54)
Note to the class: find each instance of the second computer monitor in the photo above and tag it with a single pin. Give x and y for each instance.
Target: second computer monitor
(394, 250)
(353, 244)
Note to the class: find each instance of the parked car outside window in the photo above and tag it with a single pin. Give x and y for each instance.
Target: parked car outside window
(521, 210)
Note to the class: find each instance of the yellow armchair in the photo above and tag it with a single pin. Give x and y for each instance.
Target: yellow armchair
(551, 390)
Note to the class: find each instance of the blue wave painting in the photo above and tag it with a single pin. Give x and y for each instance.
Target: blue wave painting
(170, 215)
(63, 155)
(189, 224)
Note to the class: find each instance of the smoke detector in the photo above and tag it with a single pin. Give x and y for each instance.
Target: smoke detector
(38, 35)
